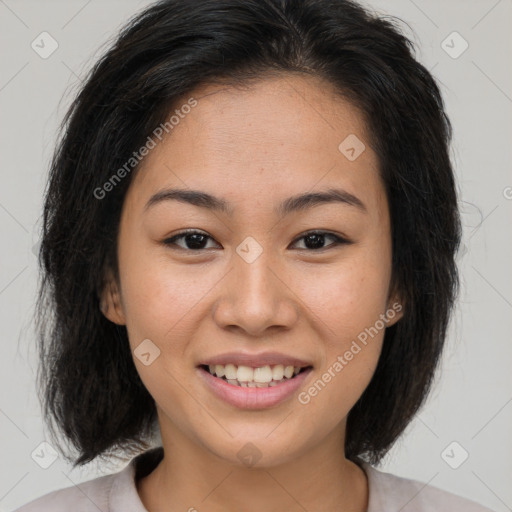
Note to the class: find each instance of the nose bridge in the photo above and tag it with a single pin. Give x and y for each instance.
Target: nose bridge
(254, 276)
(256, 298)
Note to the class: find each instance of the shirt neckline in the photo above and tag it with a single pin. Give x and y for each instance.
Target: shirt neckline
(124, 495)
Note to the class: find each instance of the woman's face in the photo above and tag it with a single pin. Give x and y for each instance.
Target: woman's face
(255, 283)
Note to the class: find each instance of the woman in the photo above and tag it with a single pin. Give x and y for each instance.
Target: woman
(249, 246)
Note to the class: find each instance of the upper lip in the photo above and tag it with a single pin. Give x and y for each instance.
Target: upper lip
(255, 360)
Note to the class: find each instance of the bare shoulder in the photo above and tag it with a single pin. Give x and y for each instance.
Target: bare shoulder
(394, 493)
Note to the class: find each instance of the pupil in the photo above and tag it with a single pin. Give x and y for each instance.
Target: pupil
(197, 241)
(317, 241)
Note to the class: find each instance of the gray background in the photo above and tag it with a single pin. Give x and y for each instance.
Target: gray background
(471, 402)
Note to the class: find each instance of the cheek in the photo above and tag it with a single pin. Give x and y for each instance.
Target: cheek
(348, 322)
(347, 298)
(159, 298)
(161, 304)
(347, 305)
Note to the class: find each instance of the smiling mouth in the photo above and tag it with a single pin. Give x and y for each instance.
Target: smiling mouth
(246, 376)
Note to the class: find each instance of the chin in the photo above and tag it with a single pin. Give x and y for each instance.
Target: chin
(256, 451)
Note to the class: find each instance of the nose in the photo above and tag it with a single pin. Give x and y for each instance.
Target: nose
(257, 296)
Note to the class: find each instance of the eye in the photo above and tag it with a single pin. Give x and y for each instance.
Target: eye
(315, 240)
(196, 240)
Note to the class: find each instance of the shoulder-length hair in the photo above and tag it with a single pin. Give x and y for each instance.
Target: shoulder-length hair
(90, 388)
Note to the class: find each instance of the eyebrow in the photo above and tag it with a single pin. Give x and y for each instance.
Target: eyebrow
(298, 203)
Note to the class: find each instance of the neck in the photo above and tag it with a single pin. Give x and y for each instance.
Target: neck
(189, 477)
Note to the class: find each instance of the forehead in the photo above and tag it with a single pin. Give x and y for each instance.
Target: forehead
(280, 135)
(289, 113)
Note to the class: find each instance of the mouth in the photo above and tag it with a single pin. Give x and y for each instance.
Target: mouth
(256, 382)
(249, 377)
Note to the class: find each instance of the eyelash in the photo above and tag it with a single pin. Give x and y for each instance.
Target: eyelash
(338, 240)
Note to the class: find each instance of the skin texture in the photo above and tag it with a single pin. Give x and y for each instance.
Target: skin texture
(254, 148)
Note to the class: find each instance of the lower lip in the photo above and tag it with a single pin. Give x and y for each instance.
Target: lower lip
(253, 398)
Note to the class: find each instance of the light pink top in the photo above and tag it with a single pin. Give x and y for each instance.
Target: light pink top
(118, 493)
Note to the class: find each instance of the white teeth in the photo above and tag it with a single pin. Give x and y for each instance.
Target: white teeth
(288, 372)
(261, 377)
(278, 372)
(263, 374)
(230, 371)
(244, 373)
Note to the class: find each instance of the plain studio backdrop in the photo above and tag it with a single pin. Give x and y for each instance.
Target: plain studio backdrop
(460, 441)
